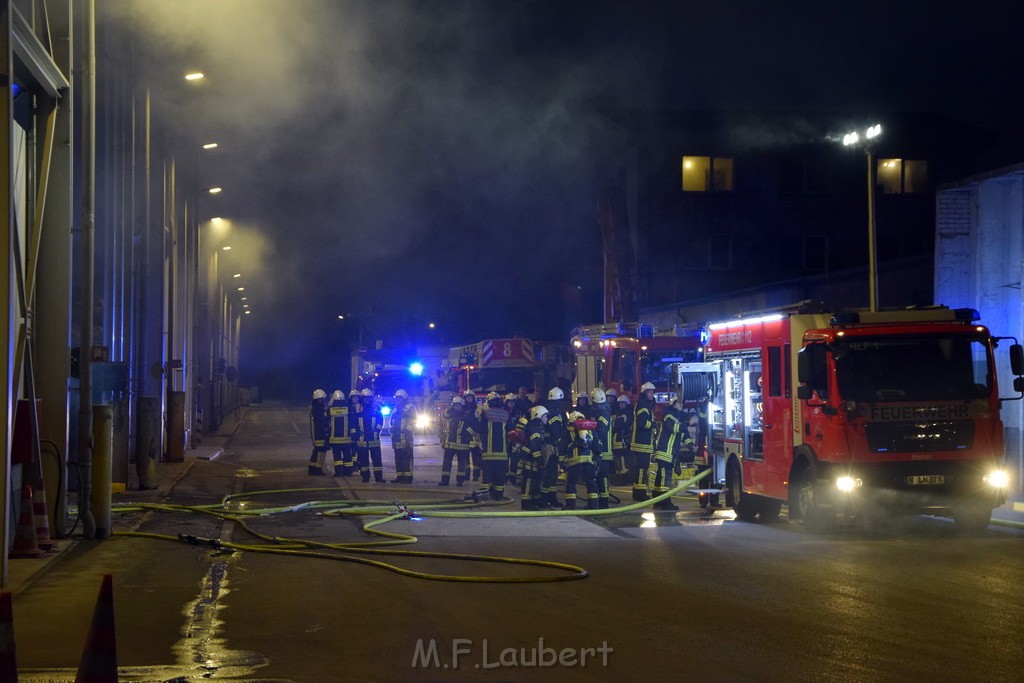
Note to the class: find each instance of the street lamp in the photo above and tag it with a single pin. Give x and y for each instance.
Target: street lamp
(852, 139)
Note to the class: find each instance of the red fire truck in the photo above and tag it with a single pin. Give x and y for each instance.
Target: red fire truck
(622, 356)
(856, 413)
(504, 365)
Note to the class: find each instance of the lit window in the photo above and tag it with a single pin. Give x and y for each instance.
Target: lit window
(701, 174)
(896, 176)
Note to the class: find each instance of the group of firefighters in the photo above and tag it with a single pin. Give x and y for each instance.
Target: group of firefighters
(600, 440)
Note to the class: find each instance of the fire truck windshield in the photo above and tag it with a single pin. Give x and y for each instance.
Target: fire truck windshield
(916, 368)
(501, 379)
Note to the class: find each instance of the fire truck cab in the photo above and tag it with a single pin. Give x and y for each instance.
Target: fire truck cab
(856, 413)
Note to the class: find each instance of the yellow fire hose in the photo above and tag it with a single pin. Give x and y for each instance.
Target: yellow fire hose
(427, 508)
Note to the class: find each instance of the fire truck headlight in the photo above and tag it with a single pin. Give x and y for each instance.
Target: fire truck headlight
(385, 410)
(998, 479)
(422, 421)
(847, 484)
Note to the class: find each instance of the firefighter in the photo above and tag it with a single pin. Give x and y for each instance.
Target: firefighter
(622, 425)
(370, 424)
(602, 415)
(583, 405)
(579, 462)
(472, 415)
(340, 438)
(403, 426)
(641, 440)
(559, 440)
(318, 426)
(666, 453)
(495, 446)
(459, 439)
(538, 440)
(514, 438)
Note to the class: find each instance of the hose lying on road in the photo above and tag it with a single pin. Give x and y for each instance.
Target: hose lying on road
(297, 547)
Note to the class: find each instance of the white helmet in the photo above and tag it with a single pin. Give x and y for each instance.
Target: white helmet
(401, 393)
(624, 399)
(555, 394)
(366, 392)
(611, 392)
(511, 397)
(538, 412)
(457, 401)
(646, 386)
(319, 393)
(354, 392)
(575, 415)
(493, 395)
(597, 395)
(337, 395)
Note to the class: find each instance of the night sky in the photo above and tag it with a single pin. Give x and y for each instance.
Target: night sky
(425, 162)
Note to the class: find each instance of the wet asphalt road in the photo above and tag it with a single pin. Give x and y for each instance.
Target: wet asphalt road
(686, 595)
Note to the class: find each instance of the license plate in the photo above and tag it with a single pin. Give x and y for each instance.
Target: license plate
(925, 479)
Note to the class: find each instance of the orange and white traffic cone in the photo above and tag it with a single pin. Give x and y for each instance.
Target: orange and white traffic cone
(42, 520)
(8, 663)
(99, 658)
(25, 542)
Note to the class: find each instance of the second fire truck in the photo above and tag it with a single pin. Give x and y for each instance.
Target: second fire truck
(855, 413)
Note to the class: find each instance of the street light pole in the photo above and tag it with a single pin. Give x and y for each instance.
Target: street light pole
(854, 138)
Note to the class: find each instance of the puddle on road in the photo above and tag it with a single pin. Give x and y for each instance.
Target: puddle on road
(201, 649)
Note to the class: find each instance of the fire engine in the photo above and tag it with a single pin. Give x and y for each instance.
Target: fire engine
(622, 356)
(855, 413)
(504, 365)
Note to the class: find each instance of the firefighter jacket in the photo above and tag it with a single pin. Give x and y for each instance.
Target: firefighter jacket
(578, 448)
(471, 416)
(622, 425)
(537, 437)
(460, 431)
(403, 425)
(493, 434)
(370, 423)
(556, 426)
(318, 422)
(340, 423)
(669, 437)
(602, 415)
(641, 438)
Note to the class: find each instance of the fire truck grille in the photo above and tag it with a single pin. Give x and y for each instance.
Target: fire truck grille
(920, 436)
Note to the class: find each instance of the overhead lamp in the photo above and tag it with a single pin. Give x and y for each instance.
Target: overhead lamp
(210, 145)
(215, 190)
(241, 289)
(237, 275)
(195, 76)
(226, 247)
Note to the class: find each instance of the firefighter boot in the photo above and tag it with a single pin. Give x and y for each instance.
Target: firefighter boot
(315, 471)
(639, 495)
(446, 479)
(459, 480)
(593, 504)
(666, 505)
(570, 504)
(602, 503)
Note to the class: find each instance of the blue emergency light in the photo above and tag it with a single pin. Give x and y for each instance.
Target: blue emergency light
(385, 410)
(416, 368)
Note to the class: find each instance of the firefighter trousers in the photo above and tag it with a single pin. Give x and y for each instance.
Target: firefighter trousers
(343, 454)
(495, 472)
(641, 463)
(403, 465)
(605, 467)
(533, 476)
(370, 460)
(451, 454)
(584, 473)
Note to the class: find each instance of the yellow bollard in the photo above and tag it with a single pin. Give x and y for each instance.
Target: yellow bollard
(102, 457)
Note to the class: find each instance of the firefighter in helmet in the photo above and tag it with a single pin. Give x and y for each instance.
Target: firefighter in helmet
(318, 432)
(641, 440)
(403, 427)
(370, 424)
(579, 462)
(459, 440)
(495, 445)
(515, 437)
(538, 440)
(666, 453)
(601, 413)
(622, 425)
(472, 415)
(340, 437)
(559, 440)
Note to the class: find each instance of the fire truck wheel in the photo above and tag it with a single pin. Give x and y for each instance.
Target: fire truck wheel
(972, 518)
(816, 517)
(743, 505)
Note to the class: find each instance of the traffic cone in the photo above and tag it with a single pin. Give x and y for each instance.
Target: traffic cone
(42, 520)
(8, 663)
(25, 542)
(99, 658)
